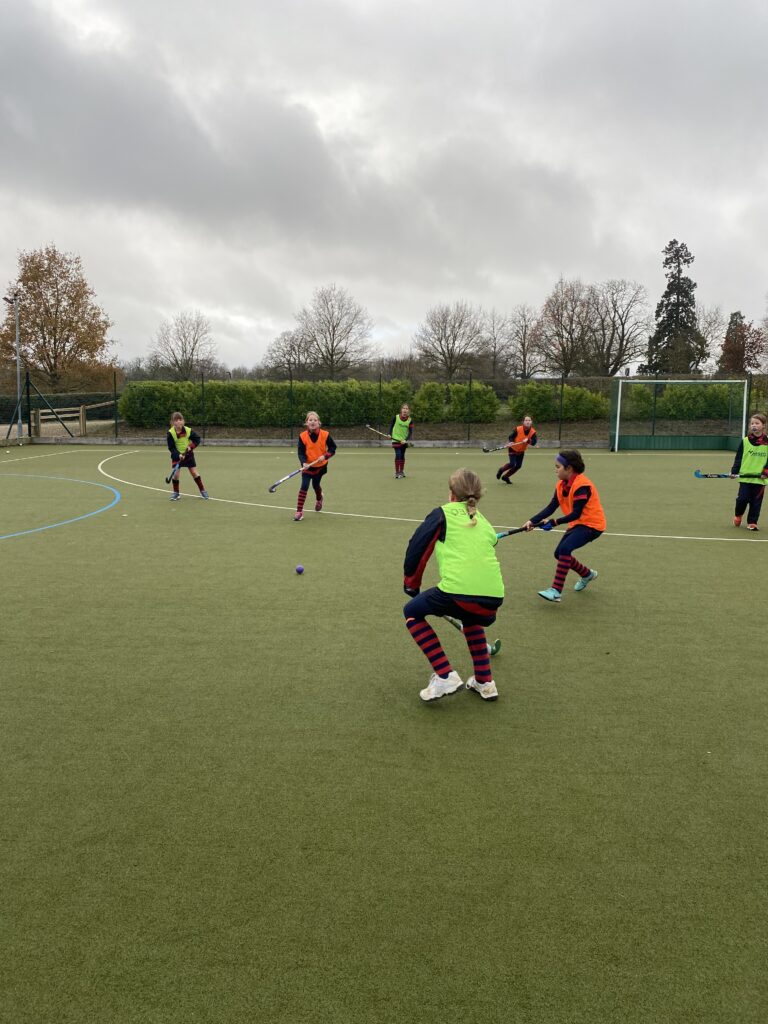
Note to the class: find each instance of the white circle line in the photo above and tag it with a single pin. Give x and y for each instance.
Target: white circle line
(399, 519)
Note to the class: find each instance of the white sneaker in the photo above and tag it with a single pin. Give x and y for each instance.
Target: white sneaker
(487, 690)
(437, 687)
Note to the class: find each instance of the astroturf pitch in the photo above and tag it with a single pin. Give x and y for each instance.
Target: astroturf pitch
(223, 801)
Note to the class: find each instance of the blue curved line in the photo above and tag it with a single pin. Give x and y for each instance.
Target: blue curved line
(64, 522)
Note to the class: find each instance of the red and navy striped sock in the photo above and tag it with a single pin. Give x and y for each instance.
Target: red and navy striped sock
(428, 641)
(478, 648)
(582, 570)
(301, 499)
(563, 565)
(175, 483)
(199, 482)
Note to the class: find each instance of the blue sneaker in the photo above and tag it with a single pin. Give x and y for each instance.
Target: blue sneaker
(175, 496)
(550, 594)
(204, 494)
(585, 580)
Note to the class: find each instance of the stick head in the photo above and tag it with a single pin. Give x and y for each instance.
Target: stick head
(698, 474)
(272, 489)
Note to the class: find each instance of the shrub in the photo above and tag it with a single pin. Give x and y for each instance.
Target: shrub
(429, 403)
(483, 408)
(542, 402)
(696, 402)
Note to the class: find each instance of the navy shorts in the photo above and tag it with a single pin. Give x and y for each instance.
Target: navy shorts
(313, 477)
(576, 537)
(187, 460)
(471, 611)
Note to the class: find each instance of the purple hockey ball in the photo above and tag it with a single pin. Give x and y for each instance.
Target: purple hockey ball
(299, 570)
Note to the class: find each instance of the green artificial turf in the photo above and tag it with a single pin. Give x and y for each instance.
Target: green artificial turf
(223, 801)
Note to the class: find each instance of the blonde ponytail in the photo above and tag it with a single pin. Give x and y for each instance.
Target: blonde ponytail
(466, 486)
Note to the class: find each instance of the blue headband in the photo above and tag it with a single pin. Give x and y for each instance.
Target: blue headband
(562, 460)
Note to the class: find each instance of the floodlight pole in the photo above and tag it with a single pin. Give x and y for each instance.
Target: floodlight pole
(14, 301)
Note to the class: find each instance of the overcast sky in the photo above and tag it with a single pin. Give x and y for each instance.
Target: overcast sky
(231, 157)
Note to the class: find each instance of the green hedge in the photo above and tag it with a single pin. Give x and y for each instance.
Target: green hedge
(428, 404)
(542, 402)
(248, 403)
(480, 408)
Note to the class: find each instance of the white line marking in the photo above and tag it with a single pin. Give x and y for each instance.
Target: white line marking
(250, 504)
(400, 519)
(27, 458)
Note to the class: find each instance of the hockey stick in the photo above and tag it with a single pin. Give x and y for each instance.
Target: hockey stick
(175, 470)
(408, 444)
(724, 476)
(546, 526)
(296, 472)
(499, 447)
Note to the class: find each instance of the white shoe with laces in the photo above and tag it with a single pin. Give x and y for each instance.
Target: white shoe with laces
(438, 687)
(487, 690)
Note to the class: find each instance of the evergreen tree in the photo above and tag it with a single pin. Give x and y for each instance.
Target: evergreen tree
(677, 345)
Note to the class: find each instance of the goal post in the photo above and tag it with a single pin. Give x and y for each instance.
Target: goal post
(678, 415)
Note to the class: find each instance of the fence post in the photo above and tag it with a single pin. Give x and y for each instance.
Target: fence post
(290, 399)
(653, 410)
(378, 420)
(469, 407)
(83, 418)
(202, 399)
(29, 405)
(560, 414)
(114, 396)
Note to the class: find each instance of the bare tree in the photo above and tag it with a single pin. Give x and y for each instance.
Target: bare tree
(288, 355)
(565, 325)
(185, 346)
(449, 337)
(711, 324)
(526, 342)
(403, 364)
(496, 343)
(336, 330)
(619, 325)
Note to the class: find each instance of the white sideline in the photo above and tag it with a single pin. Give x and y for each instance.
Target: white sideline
(399, 519)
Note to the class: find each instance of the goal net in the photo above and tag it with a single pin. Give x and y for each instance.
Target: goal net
(669, 415)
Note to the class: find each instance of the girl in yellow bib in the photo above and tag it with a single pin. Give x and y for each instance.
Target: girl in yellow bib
(750, 466)
(401, 431)
(470, 587)
(182, 441)
(315, 448)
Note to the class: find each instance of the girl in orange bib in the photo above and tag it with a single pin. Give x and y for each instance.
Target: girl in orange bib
(315, 448)
(577, 497)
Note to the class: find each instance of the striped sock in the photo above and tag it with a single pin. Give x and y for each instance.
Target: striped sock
(430, 645)
(563, 565)
(175, 483)
(300, 502)
(199, 482)
(478, 648)
(582, 570)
